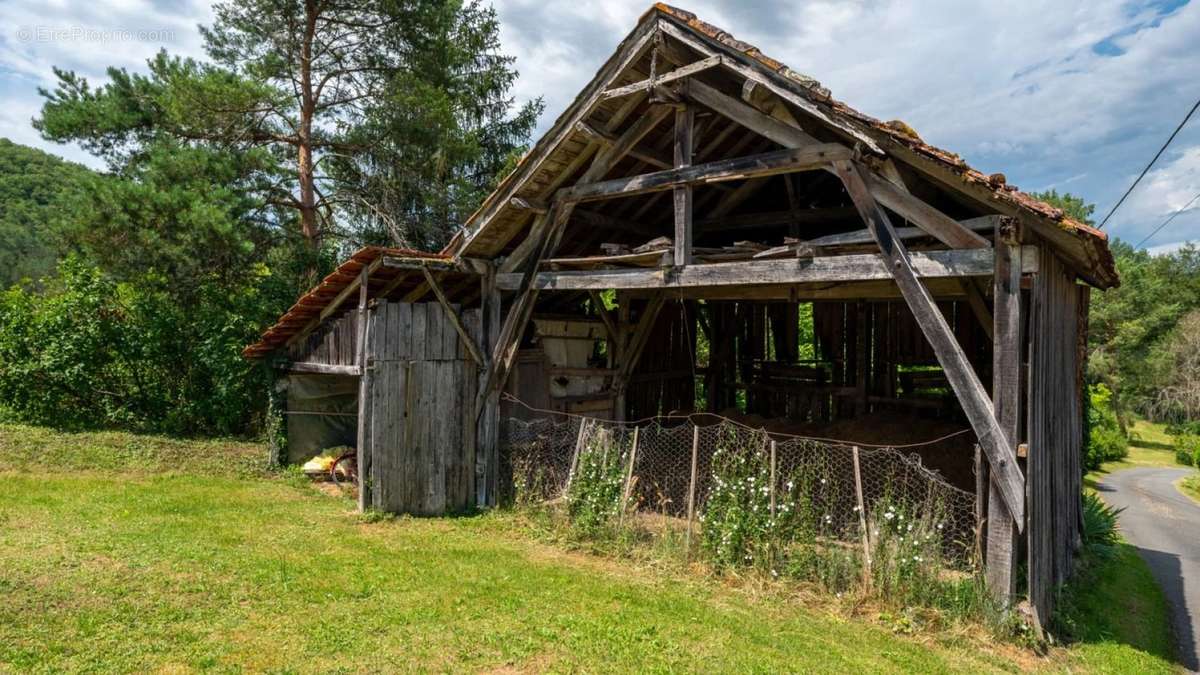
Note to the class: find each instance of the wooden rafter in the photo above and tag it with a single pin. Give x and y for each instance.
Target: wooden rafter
(944, 228)
(738, 168)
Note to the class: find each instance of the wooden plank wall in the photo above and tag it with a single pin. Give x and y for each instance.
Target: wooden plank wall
(665, 378)
(422, 393)
(1053, 473)
(333, 343)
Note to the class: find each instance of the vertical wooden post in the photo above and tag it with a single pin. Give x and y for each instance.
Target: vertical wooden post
(981, 502)
(1006, 364)
(773, 479)
(364, 394)
(862, 518)
(487, 437)
(692, 487)
(579, 440)
(629, 473)
(860, 359)
(684, 120)
(624, 315)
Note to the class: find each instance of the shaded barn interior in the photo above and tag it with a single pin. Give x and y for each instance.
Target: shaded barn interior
(704, 230)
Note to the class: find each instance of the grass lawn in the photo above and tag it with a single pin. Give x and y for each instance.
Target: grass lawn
(1190, 486)
(128, 553)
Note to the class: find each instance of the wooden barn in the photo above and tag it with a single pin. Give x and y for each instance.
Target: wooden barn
(704, 228)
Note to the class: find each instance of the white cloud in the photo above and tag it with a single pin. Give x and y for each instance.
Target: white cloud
(1071, 94)
(1015, 87)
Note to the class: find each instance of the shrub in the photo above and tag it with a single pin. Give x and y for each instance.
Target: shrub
(1099, 526)
(84, 351)
(1104, 440)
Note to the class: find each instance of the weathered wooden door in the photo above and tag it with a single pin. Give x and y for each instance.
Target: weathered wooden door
(420, 427)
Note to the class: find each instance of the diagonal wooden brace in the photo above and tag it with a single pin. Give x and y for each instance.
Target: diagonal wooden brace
(999, 448)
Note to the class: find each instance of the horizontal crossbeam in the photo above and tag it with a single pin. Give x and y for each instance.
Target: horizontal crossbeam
(827, 269)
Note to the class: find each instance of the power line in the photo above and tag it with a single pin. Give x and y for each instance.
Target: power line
(1168, 220)
(1147, 169)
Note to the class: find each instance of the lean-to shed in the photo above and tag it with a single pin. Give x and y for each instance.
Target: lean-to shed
(697, 192)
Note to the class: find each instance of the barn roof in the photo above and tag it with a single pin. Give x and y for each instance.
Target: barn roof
(311, 305)
(497, 222)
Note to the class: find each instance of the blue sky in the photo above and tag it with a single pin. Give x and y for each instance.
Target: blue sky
(1072, 95)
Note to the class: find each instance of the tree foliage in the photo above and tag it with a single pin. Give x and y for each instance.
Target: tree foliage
(232, 182)
(32, 185)
(382, 120)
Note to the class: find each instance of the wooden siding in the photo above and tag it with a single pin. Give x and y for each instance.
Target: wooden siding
(333, 343)
(421, 392)
(1054, 473)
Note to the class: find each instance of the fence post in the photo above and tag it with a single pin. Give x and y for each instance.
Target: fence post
(692, 489)
(862, 519)
(629, 475)
(773, 444)
(981, 497)
(583, 423)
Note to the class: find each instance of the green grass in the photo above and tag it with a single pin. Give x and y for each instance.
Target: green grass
(1115, 609)
(128, 553)
(1190, 486)
(1118, 618)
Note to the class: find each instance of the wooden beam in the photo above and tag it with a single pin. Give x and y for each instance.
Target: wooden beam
(681, 72)
(684, 119)
(467, 340)
(978, 305)
(363, 439)
(958, 370)
(941, 289)
(1001, 561)
(522, 307)
(939, 225)
(942, 227)
(610, 324)
(649, 156)
(529, 205)
(632, 351)
(820, 269)
(628, 53)
(322, 368)
(731, 62)
(737, 168)
(487, 430)
(527, 246)
(608, 156)
(400, 277)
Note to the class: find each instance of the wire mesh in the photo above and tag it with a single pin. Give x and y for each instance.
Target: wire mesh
(673, 466)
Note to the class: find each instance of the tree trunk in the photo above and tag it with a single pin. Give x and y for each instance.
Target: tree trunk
(309, 227)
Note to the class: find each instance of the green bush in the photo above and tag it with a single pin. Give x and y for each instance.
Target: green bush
(1104, 441)
(1187, 449)
(84, 351)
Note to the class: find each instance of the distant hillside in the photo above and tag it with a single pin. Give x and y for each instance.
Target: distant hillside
(33, 185)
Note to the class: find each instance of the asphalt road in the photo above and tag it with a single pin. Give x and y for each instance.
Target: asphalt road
(1164, 525)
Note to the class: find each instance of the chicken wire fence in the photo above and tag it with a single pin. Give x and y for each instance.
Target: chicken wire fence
(673, 468)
